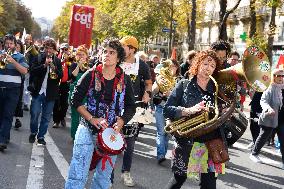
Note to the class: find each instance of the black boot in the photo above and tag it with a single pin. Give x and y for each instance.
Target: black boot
(176, 182)
(63, 123)
(18, 124)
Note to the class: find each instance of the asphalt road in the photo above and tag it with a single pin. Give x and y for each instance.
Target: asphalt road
(27, 166)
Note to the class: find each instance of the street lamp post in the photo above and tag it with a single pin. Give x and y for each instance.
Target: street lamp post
(174, 22)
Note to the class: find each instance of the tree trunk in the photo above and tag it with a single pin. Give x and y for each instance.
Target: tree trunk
(271, 34)
(223, 16)
(252, 19)
(188, 28)
(192, 26)
(223, 25)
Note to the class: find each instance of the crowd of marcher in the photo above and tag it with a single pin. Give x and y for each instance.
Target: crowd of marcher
(104, 90)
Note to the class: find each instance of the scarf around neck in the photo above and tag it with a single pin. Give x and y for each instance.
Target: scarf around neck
(278, 93)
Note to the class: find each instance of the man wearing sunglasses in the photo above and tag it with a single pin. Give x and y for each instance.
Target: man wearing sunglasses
(271, 102)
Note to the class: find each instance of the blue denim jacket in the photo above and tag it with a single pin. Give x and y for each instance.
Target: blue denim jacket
(186, 94)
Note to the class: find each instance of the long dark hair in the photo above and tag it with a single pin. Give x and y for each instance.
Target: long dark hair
(22, 49)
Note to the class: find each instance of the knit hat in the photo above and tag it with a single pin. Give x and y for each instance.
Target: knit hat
(129, 40)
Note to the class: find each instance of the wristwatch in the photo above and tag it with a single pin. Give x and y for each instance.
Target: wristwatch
(149, 93)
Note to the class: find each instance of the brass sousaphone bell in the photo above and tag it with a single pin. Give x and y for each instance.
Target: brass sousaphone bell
(169, 80)
(254, 69)
(32, 50)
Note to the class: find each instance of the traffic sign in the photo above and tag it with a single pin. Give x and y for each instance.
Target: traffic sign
(166, 30)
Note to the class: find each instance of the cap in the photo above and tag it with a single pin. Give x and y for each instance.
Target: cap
(64, 45)
(278, 71)
(129, 40)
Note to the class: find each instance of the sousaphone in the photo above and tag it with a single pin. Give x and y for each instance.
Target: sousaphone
(254, 69)
(32, 49)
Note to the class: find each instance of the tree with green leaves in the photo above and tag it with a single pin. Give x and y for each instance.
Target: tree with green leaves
(14, 17)
(8, 17)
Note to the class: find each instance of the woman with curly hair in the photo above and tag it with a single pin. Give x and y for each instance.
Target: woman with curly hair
(191, 156)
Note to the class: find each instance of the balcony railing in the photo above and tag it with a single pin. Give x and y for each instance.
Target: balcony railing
(241, 13)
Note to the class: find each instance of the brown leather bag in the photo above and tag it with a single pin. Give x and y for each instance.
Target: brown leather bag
(217, 150)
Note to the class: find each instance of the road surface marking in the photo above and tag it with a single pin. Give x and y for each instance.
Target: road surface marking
(58, 158)
(244, 147)
(36, 169)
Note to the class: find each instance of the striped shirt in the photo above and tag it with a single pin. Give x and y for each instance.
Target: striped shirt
(10, 77)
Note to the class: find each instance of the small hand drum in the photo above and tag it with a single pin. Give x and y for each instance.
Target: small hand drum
(110, 142)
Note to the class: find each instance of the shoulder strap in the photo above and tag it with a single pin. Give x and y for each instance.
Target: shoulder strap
(92, 80)
(184, 84)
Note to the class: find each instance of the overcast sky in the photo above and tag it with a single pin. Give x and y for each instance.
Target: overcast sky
(49, 9)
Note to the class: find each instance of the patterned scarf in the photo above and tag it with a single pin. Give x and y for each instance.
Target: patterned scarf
(96, 103)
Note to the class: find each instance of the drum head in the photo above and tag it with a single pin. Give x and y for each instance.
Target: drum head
(112, 139)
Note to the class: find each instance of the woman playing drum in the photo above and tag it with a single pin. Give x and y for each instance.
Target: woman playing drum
(189, 97)
(110, 102)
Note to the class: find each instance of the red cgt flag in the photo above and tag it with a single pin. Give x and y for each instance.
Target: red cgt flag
(81, 26)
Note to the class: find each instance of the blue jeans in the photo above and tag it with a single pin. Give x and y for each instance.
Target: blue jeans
(83, 149)
(8, 102)
(162, 137)
(39, 105)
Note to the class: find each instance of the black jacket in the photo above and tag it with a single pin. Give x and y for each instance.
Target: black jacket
(37, 74)
(255, 105)
(187, 94)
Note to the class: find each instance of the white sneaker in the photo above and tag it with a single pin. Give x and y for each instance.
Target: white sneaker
(250, 145)
(127, 179)
(255, 158)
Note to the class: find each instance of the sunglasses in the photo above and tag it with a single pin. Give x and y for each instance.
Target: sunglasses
(278, 75)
